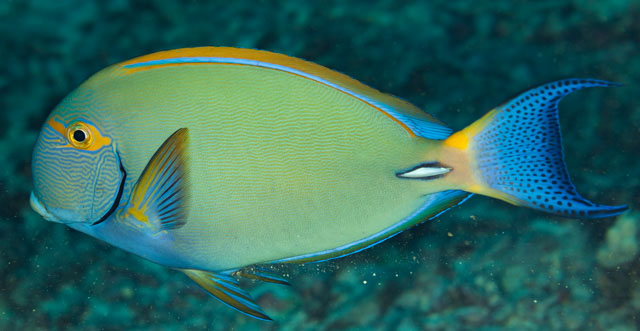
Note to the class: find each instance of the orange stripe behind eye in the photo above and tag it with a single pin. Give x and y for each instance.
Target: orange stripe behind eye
(57, 125)
(99, 140)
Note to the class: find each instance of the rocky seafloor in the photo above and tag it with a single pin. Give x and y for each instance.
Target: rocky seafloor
(484, 265)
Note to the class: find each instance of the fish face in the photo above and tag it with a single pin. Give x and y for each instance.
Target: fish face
(77, 175)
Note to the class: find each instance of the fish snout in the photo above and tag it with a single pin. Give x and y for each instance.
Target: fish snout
(64, 216)
(40, 209)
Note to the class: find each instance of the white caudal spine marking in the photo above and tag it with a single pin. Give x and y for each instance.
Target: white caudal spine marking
(425, 172)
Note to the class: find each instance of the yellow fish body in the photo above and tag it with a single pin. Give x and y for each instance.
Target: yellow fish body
(210, 160)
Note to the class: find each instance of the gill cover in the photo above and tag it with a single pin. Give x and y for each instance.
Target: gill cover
(76, 171)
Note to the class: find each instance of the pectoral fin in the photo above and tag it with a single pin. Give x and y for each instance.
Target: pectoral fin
(158, 198)
(226, 289)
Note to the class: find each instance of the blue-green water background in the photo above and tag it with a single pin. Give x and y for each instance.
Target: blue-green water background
(485, 264)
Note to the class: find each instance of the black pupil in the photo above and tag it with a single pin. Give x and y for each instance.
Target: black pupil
(79, 136)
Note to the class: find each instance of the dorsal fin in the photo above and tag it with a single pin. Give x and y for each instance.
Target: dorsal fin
(410, 117)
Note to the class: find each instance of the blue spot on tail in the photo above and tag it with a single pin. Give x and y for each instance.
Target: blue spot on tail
(520, 152)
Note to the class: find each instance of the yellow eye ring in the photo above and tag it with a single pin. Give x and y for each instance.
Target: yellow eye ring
(80, 136)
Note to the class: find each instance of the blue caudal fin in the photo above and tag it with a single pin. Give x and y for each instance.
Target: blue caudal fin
(516, 152)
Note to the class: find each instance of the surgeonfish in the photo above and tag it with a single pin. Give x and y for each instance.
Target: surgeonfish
(220, 161)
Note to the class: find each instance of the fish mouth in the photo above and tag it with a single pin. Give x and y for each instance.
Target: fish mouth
(64, 216)
(41, 209)
(116, 202)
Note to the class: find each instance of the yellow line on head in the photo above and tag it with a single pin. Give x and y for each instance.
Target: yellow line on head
(54, 122)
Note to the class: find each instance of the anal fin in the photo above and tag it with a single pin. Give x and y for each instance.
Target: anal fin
(262, 274)
(227, 290)
(433, 205)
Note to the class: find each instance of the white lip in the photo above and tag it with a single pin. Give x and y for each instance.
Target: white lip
(40, 209)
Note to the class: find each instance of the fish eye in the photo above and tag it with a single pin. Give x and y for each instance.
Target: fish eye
(79, 135)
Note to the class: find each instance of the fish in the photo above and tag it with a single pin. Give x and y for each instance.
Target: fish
(220, 162)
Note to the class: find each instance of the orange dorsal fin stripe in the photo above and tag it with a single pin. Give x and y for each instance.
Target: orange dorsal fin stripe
(399, 110)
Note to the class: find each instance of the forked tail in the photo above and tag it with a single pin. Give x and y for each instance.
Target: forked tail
(514, 153)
